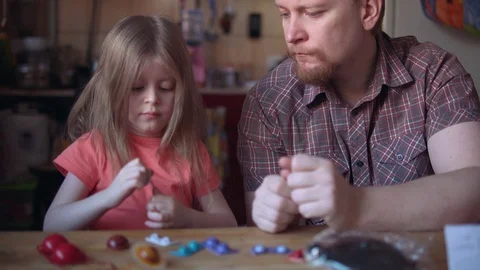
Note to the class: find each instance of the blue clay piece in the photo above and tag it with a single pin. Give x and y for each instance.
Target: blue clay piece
(188, 250)
(282, 249)
(194, 246)
(258, 249)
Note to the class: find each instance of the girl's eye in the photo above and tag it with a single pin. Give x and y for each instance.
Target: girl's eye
(137, 88)
(167, 87)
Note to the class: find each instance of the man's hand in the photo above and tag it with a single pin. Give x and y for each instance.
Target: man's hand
(320, 191)
(272, 209)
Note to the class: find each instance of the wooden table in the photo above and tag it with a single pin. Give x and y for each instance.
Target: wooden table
(18, 249)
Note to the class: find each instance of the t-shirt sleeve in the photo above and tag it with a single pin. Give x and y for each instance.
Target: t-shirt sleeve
(212, 179)
(79, 159)
(259, 144)
(452, 98)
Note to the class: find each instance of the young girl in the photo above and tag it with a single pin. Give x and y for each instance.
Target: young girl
(138, 160)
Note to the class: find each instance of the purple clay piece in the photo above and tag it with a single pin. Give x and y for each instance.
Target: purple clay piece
(220, 248)
(211, 242)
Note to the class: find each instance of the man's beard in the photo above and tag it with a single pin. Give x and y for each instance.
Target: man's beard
(318, 75)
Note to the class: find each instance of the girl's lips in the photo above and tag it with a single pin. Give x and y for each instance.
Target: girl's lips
(150, 115)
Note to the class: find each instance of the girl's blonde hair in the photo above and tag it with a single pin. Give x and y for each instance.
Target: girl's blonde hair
(103, 104)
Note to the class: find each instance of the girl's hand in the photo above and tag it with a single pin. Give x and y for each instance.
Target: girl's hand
(165, 212)
(132, 176)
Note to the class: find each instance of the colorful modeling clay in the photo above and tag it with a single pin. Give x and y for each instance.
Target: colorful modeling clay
(66, 254)
(296, 256)
(50, 243)
(187, 250)
(161, 241)
(260, 249)
(217, 247)
(57, 249)
(118, 242)
(148, 256)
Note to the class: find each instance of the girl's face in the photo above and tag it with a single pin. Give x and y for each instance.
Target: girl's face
(151, 100)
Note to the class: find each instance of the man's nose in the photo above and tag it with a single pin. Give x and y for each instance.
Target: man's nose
(294, 31)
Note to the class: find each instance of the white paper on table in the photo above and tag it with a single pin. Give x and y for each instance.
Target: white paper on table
(463, 246)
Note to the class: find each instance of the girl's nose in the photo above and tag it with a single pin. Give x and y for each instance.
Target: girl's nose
(151, 95)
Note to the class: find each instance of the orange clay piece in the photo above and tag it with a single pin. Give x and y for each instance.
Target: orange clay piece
(147, 255)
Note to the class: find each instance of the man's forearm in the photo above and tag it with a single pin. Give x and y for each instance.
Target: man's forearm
(424, 204)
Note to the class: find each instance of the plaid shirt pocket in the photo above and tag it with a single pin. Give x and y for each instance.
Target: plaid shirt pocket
(400, 160)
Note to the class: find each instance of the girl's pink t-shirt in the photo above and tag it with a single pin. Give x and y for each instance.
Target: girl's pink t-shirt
(91, 166)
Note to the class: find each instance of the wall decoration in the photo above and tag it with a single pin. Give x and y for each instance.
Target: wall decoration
(460, 14)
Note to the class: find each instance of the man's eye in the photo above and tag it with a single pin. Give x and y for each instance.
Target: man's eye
(314, 13)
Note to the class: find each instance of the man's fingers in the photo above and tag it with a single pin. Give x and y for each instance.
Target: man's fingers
(279, 203)
(276, 217)
(309, 194)
(315, 209)
(268, 226)
(284, 173)
(285, 163)
(305, 179)
(277, 185)
(303, 162)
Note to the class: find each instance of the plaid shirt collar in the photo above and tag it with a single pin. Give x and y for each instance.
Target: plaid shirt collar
(389, 71)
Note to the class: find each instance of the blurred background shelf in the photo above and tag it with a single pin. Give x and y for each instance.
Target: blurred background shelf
(12, 92)
(70, 93)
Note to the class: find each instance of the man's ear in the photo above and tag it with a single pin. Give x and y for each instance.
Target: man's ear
(371, 11)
